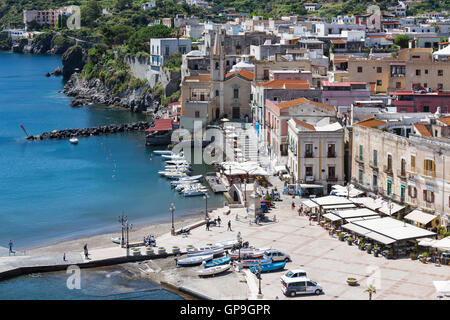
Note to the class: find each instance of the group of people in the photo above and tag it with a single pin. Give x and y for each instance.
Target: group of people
(217, 222)
(150, 241)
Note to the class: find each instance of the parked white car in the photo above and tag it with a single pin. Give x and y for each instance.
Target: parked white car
(276, 255)
(294, 286)
(292, 274)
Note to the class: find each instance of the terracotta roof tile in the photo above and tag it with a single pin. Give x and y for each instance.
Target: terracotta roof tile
(423, 130)
(200, 78)
(299, 101)
(304, 124)
(372, 122)
(445, 120)
(243, 73)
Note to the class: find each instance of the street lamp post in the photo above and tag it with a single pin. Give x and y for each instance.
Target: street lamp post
(239, 239)
(172, 209)
(123, 220)
(128, 228)
(206, 196)
(259, 277)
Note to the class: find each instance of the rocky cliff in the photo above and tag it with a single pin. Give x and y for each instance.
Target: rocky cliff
(73, 59)
(94, 91)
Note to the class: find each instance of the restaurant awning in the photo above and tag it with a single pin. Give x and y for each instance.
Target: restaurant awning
(420, 217)
(331, 217)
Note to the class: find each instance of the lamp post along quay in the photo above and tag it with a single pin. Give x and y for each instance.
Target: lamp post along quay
(123, 220)
(206, 196)
(239, 239)
(172, 209)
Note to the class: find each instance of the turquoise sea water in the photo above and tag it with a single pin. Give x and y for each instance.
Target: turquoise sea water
(52, 190)
(111, 283)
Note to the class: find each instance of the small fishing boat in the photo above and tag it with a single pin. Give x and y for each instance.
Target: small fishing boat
(252, 262)
(73, 140)
(173, 156)
(227, 244)
(163, 152)
(177, 162)
(268, 267)
(213, 270)
(247, 254)
(195, 260)
(195, 192)
(116, 240)
(214, 250)
(217, 262)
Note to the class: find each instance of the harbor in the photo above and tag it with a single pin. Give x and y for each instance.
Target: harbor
(310, 246)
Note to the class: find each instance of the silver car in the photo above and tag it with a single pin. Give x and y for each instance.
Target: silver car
(276, 255)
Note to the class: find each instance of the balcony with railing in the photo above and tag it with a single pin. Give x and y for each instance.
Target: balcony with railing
(387, 170)
(309, 178)
(309, 154)
(332, 178)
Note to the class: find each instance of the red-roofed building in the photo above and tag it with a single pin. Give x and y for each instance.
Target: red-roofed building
(277, 91)
(277, 115)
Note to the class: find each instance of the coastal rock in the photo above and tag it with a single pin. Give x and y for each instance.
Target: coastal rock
(57, 71)
(41, 43)
(95, 91)
(72, 59)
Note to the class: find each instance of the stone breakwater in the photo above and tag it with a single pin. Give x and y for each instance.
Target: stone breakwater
(95, 131)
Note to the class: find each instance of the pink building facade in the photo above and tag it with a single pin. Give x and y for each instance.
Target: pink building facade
(344, 93)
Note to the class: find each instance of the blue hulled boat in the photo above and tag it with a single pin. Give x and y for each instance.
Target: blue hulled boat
(268, 267)
(217, 262)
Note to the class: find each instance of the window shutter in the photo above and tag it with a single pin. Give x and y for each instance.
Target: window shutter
(425, 195)
(415, 192)
(432, 197)
(409, 191)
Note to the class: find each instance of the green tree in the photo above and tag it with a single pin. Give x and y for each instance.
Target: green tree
(90, 13)
(401, 40)
(123, 4)
(138, 40)
(116, 35)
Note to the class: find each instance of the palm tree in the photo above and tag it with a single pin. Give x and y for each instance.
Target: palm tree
(371, 290)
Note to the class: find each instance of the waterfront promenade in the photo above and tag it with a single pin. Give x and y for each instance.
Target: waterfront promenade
(325, 259)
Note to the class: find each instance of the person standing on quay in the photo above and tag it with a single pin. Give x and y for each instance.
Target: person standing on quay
(10, 247)
(229, 226)
(86, 252)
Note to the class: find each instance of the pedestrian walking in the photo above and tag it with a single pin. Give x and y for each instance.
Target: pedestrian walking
(229, 226)
(219, 220)
(293, 205)
(86, 252)
(310, 220)
(64, 257)
(10, 247)
(207, 225)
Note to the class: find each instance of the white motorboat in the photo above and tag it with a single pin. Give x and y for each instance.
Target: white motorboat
(173, 156)
(227, 244)
(214, 250)
(176, 170)
(163, 152)
(179, 182)
(73, 140)
(195, 192)
(213, 270)
(177, 162)
(116, 240)
(195, 260)
(172, 166)
(175, 175)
